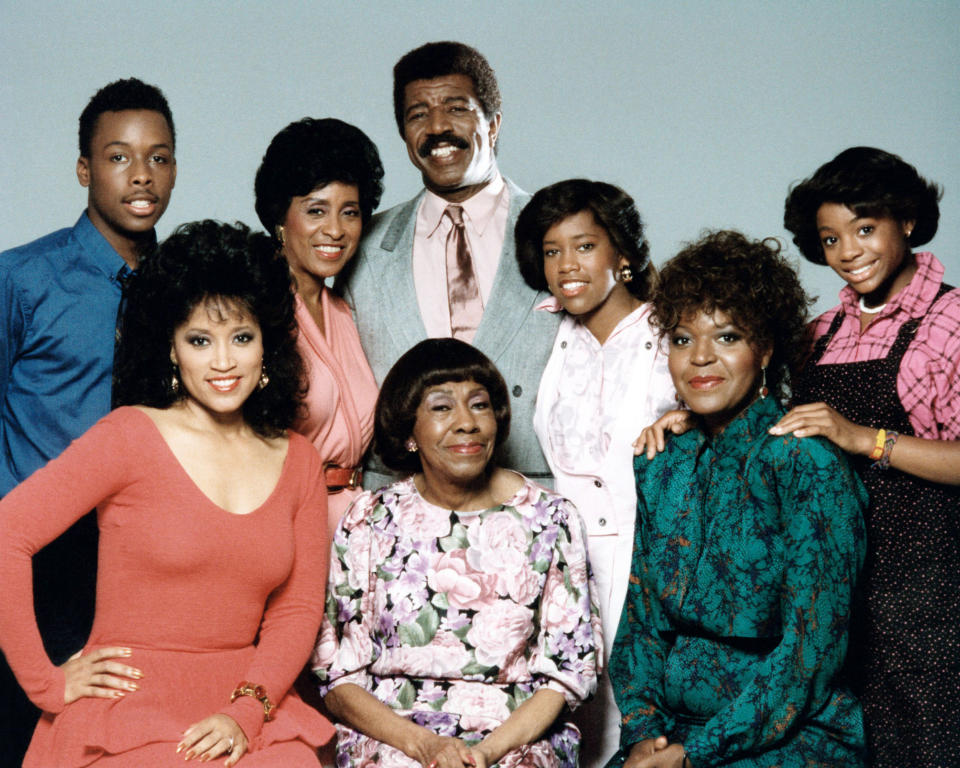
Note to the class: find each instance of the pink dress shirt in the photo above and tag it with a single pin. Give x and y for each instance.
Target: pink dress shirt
(929, 379)
(342, 393)
(485, 221)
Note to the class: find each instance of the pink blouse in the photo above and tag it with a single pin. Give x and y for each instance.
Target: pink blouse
(342, 394)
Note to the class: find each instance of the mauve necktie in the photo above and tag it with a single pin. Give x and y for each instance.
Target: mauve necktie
(466, 306)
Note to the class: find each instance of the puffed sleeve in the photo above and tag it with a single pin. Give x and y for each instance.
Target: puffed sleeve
(294, 609)
(345, 648)
(91, 469)
(821, 502)
(639, 651)
(569, 644)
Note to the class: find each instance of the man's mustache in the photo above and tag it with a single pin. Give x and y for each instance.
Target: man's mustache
(434, 140)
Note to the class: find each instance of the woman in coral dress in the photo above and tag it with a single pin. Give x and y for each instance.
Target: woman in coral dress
(212, 530)
(318, 185)
(461, 621)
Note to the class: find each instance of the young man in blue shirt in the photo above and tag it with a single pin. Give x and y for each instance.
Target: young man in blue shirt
(59, 299)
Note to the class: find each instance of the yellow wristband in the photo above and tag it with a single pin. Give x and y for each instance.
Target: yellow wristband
(878, 448)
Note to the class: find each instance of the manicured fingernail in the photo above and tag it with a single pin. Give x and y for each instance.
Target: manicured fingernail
(132, 686)
(118, 694)
(126, 652)
(179, 748)
(136, 673)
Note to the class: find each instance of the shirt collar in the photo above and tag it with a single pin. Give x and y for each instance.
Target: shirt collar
(98, 250)
(915, 299)
(478, 210)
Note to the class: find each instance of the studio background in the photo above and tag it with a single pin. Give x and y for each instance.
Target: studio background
(705, 112)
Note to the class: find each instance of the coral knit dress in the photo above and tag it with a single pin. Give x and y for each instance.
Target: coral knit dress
(203, 597)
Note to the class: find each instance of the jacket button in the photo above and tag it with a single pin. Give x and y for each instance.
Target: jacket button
(517, 391)
(598, 484)
(649, 345)
(563, 345)
(602, 521)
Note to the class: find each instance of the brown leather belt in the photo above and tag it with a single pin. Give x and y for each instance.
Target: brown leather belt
(337, 478)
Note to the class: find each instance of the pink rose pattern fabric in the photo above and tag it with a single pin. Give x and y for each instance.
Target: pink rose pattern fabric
(453, 619)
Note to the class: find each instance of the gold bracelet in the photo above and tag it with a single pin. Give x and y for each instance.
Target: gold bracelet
(246, 688)
(878, 448)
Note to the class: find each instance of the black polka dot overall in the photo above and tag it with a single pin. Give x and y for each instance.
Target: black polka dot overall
(904, 655)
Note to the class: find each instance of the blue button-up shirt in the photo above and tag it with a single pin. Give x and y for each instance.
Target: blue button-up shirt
(59, 297)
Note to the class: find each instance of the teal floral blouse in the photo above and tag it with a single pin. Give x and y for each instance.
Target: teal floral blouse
(735, 624)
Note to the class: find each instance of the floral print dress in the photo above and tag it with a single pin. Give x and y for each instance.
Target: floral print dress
(455, 618)
(735, 624)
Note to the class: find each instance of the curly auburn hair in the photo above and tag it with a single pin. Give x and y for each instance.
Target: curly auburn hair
(439, 60)
(870, 182)
(199, 262)
(612, 208)
(747, 280)
(310, 154)
(425, 365)
(117, 96)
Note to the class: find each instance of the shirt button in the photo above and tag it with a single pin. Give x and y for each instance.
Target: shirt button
(649, 345)
(563, 345)
(598, 484)
(517, 391)
(602, 521)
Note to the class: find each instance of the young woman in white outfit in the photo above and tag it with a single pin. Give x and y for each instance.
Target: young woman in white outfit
(606, 379)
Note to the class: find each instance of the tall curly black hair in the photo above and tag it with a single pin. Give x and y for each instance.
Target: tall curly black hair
(613, 209)
(750, 282)
(425, 365)
(117, 96)
(206, 260)
(312, 153)
(870, 182)
(439, 60)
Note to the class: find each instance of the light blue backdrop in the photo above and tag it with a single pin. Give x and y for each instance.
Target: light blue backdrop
(704, 111)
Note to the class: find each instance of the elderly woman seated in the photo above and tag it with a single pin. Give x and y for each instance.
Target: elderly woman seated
(460, 619)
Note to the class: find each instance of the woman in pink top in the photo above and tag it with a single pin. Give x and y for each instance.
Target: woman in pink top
(213, 548)
(318, 184)
(882, 381)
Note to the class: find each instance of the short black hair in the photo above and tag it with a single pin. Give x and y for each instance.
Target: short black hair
(117, 96)
(312, 153)
(439, 60)
(612, 208)
(750, 282)
(425, 365)
(870, 182)
(210, 261)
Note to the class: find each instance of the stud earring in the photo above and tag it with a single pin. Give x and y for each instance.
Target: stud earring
(411, 445)
(764, 391)
(625, 274)
(264, 379)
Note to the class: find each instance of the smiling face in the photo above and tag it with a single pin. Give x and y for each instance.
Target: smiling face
(322, 231)
(455, 432)
(448, 137)
(219, 350)
(715, 369)
(580, 265)
(870, 253)
(130, 174)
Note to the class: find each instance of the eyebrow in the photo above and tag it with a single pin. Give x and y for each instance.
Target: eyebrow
(119, 143)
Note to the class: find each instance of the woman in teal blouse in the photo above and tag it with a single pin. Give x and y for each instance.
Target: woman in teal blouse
(748, 545)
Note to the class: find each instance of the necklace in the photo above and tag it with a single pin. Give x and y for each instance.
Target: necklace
(871, 310)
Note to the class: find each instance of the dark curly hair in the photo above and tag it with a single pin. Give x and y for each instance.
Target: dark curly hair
(200, 261)
(612, 208)
(118, 96)
(312, 153)
(431, 362)
(870, 182)
(439, 60)
(747, 280)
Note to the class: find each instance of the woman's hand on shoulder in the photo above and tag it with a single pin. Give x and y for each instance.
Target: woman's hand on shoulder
(99, 674)
(820, 419)
(215, 736)
(653, 440)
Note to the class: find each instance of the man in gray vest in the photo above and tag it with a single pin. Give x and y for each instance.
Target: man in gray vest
(443, 264)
